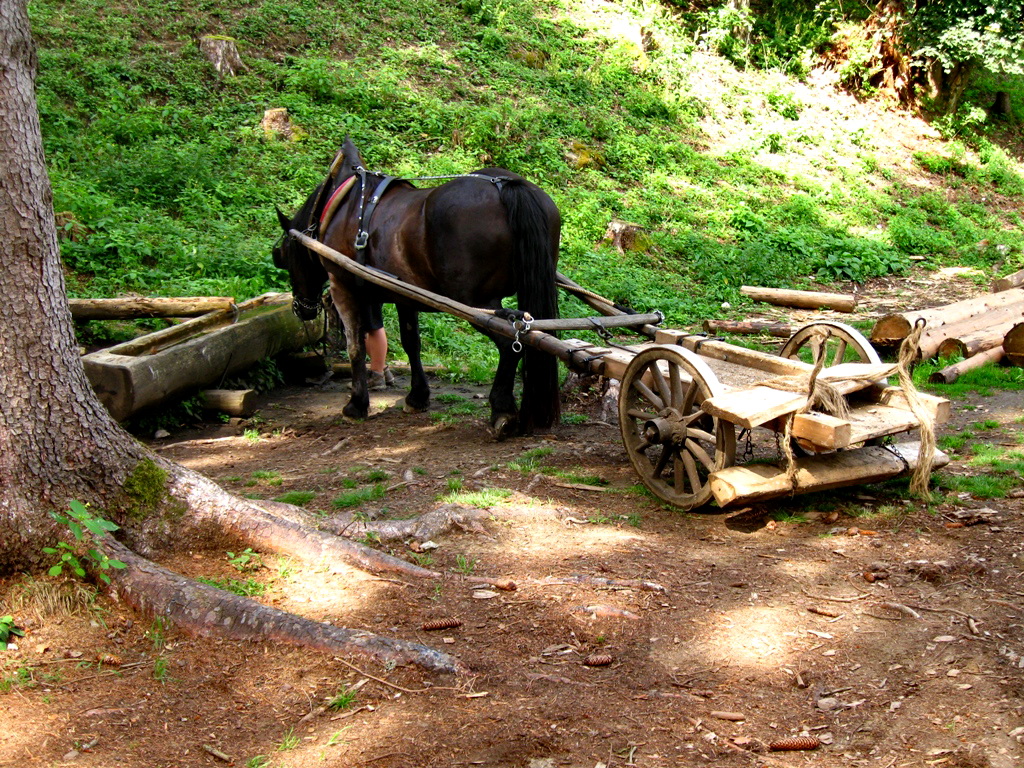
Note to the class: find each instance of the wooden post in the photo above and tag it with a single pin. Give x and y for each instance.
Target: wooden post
(951, 373)
(140, 306)
(804, 299)
(233, 402)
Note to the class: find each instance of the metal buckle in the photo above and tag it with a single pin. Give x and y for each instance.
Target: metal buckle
(361, 239)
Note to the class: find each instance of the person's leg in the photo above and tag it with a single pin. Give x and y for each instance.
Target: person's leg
(377, 348)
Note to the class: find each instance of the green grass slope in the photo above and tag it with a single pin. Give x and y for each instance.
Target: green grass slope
(165, 184)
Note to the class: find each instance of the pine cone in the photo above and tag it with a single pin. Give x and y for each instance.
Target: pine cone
(433, 624)
(794, 743)
(598, 660)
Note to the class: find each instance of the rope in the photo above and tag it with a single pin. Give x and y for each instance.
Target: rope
(910, 348)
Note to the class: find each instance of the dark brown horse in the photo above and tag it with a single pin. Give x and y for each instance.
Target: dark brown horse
(476, 239)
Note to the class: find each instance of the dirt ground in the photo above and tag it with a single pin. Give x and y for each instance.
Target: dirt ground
(891, 632)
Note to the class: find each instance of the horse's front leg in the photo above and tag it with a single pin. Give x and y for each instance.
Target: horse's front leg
(358, 405)
(418, 398)
(504, 412)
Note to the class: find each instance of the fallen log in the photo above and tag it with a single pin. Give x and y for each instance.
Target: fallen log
(965, 316)
(233, 402)
(840, 302)
(1013, 280)
(1013, 345)
(752, 483)
(951, 373)
(129, 307)
(969, 344)
(779, 330)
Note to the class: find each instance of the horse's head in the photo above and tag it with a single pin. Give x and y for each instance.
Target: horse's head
(304, 269)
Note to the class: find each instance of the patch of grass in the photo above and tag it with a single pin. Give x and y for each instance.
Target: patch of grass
(980, 381)
(267, 477)
(488, 497)
(465, 565)
(244, 588)
(375, 476)
(359, 496)
(252, 435)
(342, 700)
(574, 418)
(298, 498)
(529, 461)
(289, 741)
(978, 486)
(789, 517)
(574, 477)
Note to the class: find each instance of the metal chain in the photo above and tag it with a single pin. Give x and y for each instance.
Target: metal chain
(521, 326)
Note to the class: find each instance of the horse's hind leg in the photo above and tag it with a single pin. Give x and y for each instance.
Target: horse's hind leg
(418, 398)
(358, 405)
(504, 412)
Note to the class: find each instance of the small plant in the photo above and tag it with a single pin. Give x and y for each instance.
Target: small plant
(267, 476)
(375, 476)
(160, 669)
(289, 741)
(252, 435)
(257, 761)
(454, 484)
(83, 524)
(574, 418)
(8, 629)
(423, 559)
(488, 497)
(155, 633)
(246, 560)
(246, 588)
(342, 700)
(465, 565)
(371, 538)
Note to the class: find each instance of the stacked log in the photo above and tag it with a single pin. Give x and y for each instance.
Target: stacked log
(1013, 345)
(840, 302)
(1015, 280)
(967, 329)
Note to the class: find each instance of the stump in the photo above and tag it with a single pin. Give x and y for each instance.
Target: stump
(223, 54)
(276, 124)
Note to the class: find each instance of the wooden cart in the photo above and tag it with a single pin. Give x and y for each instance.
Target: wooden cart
(684, 397)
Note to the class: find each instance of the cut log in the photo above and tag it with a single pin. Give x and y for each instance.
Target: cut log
(1013, 345)
(951, 373)
(840, 302)
(969, 344)
(779, 330)
(969, 315)
(1014, 280)
(233, 402)
(141, 306)
(148, 370)
(754, 483)
(223, 54)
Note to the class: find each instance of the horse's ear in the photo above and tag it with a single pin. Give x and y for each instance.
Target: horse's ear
(283, 220)
(350, 153)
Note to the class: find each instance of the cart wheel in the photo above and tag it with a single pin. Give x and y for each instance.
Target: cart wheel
(845, 345)
(672, 444)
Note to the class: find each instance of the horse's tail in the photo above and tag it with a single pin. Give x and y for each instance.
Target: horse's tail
(535, 260)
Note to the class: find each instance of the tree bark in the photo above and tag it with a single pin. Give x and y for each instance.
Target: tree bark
(142, 306)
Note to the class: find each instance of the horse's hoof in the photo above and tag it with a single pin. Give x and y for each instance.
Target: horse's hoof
(409, 408)
(354, 413)
(502, 427)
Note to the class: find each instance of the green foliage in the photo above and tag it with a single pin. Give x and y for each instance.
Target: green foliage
(246, 560)
(342, 700)
(298, 498)
(242, 587)
(77, 558)
(954, 32)
(489, 497)
(357, 497)
(8, 629)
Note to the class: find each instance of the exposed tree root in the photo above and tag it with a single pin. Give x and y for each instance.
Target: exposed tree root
(282, 528)
(600, 581)
(204, 610)
(424, 527)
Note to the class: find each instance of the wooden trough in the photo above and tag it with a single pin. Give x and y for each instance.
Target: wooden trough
(197, 353)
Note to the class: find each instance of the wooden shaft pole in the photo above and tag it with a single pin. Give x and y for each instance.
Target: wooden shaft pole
(805, 299)
(140, 306)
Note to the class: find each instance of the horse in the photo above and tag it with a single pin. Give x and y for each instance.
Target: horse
(477, 239)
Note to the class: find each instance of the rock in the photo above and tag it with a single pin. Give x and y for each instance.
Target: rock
(827, 704)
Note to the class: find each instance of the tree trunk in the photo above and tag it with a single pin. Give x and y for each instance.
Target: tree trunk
(58, 443)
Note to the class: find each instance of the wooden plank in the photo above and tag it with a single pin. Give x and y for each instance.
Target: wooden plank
(730, 353)
(870, 421)
(939, 408)
(820, 432)
(754, 483)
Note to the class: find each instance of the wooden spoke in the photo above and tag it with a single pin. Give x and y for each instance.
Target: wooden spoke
(690, 397)
(660, 383)
(636, 413)
(694, 448)
(691, 471)
(840, 352)
(676, 383)
(652, 398)
(700, 434)
(666, 454)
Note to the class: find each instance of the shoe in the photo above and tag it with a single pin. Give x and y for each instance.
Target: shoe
(389, 377)
(376, 381)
